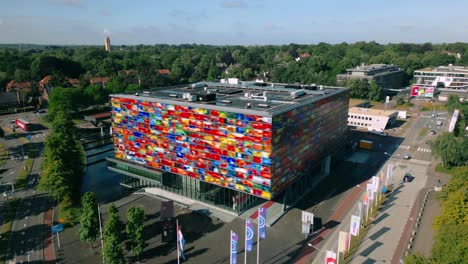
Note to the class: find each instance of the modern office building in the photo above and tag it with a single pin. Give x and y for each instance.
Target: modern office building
(227, 144)
(385, 76)
(442, 77)
(371, 119)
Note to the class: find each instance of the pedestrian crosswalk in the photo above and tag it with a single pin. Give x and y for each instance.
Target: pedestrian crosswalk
(438, 118)
(41, 135)
(420, 149)
(424, 150)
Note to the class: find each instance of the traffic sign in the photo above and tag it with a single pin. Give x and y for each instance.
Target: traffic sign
(57, 228)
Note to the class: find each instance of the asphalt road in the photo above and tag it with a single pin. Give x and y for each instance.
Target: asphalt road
(27, 234)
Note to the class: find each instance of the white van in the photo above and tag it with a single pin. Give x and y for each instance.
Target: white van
(380, 133)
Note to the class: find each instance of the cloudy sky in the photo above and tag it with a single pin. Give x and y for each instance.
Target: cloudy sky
(232, 21)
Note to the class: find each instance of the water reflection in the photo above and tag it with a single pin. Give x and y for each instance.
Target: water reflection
(98, 179)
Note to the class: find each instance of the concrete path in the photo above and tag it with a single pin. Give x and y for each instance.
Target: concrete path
(384, 236)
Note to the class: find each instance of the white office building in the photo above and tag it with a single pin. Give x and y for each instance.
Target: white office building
(371, 119)
(442, 77)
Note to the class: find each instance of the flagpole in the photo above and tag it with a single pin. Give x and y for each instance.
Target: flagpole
(258, 238)
(338, 249)
(230, 248)
(177, 235)
(245, 245)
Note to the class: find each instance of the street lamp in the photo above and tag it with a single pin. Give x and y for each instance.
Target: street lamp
(312, 246)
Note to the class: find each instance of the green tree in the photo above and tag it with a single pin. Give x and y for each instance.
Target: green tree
(454, 210)
(2, 133)
(134, 228)
(113, 237)
(89, 219)
(113, 224)
(96, 95)
(375, 92)
(54, 179)
(451, 244)
(64, 160)
(57, 79)
(359, 88)
(132, 88)
(450, 149)
(112, 251)
(452, 103)
(416, 259)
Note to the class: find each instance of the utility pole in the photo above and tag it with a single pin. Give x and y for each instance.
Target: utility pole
(100, 231)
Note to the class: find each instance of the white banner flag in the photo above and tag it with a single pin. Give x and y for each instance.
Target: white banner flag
(343, 241)
(307, 217)
(375, 183)
(370, 190)
(389, 173)
(330, 257)
(354, 226)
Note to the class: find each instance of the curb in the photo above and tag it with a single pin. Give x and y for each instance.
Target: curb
(417, 223)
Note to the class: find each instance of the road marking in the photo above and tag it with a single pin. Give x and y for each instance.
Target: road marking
(403, 147)
(424, 150)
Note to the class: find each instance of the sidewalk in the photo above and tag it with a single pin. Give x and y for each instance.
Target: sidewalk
(385, 235)
(341, 211)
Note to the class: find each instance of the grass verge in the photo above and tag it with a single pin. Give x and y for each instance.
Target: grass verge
(447, 170)
(68, 213)
(3, 154)
(357, 240)
(30, 151)
(423, 132)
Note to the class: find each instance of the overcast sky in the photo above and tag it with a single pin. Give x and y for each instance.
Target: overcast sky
(232, 22)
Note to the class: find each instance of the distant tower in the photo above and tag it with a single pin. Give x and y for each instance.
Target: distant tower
(107, 44)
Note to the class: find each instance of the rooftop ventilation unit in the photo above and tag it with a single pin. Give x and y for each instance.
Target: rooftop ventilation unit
(248, 105)
(264, 105)
(173, 95)
(297, 93)
(226, 101)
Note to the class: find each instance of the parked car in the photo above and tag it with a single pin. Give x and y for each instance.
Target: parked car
(408, 177)
(439, 123)
(407, 156)
(432, 132)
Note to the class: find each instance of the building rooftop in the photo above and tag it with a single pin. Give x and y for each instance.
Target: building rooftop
(249, 98)
(449, 68)
(373, 67)
(369, 111)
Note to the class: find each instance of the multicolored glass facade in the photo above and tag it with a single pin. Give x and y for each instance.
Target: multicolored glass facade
(255, 154)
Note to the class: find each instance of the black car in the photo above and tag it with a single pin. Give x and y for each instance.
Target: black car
(408, 177)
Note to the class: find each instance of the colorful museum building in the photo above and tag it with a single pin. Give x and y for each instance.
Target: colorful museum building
(226, 144)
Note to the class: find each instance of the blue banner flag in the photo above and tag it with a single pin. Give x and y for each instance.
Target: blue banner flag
(249, 235)
(262, 222)
(233, 247)
(181, 241)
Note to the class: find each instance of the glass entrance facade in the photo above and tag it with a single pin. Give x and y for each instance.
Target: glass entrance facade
(189, 187)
